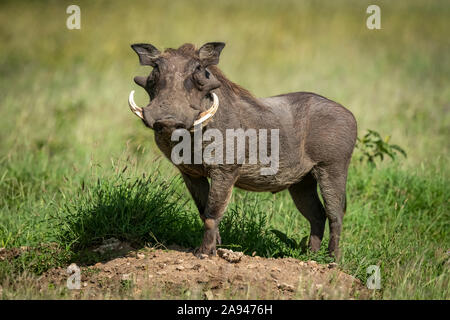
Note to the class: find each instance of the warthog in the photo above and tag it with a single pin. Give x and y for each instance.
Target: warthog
(316, 138)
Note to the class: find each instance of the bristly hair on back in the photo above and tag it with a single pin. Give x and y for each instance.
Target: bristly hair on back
(188, 49)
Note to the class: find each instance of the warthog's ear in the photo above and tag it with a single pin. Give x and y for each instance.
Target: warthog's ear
(147, 53)
(209, 53)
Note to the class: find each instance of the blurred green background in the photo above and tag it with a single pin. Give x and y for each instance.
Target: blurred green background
(64, 118)
(394, 80)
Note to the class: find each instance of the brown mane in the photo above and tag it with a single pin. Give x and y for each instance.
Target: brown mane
(188, 49)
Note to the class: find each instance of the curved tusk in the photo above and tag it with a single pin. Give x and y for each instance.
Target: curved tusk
(136, 110)
(208, 113)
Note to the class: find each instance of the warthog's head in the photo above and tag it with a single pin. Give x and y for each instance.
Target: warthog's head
(179, 86)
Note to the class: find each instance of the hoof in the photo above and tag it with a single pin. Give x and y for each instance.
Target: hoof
(203, 253)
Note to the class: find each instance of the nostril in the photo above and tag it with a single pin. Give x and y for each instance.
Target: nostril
(180, 125)
(168, 123)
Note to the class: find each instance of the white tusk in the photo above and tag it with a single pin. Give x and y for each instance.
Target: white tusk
(208, 113)
(136, 110)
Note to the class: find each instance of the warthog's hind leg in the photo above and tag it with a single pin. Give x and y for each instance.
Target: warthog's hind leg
(304, 194)
(332, 182)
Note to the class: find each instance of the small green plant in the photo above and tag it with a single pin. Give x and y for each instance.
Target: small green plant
(373, 146)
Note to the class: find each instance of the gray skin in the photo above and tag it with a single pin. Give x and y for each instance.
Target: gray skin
(316, 139)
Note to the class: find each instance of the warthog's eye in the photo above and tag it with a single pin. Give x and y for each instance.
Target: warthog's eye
(197, 75)
(201, 75)
(154, 76)
(155, 72)
(152, 80)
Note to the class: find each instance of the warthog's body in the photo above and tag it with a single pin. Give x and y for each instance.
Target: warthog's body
(316, 139)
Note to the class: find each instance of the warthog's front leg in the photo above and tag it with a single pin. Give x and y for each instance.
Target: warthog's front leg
(219, 195)
(199, 189)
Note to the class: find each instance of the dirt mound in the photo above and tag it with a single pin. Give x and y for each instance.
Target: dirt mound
(177, 273)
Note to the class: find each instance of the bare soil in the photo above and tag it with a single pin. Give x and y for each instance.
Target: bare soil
(178, 273)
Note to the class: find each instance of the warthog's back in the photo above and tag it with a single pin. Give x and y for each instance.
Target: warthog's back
(312, 130)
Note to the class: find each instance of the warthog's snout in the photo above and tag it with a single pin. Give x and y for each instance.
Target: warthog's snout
(168, 123)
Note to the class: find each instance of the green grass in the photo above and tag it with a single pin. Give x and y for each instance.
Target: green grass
(67, 134)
